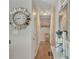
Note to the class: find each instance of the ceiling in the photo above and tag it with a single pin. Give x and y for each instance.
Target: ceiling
(44, 5)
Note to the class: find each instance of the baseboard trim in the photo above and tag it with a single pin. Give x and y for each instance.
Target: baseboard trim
(37, 50)
(53, 52)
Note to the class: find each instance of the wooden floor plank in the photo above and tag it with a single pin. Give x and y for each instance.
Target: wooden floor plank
(43, 51)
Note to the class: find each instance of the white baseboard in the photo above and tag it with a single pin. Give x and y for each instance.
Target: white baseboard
(52, 48)
(37, 50)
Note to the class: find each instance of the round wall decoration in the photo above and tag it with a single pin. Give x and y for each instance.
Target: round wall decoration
(19, 18)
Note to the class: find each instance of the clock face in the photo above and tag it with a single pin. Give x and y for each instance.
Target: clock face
(20, 18)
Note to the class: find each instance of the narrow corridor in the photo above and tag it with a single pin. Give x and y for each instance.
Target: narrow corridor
(39, 29)
(44, 51)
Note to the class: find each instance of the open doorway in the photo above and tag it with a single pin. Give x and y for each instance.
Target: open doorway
(63, 32)
(45, 27)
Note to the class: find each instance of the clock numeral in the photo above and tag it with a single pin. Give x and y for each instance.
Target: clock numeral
(27, 23)
(28, 18)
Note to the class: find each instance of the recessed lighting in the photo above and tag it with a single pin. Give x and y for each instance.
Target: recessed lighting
(34, 13)
(45, 13)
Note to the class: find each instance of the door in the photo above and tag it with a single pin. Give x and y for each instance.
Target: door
(21, 47)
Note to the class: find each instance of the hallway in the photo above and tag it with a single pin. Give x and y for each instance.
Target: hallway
(39, 29)
(43, 51)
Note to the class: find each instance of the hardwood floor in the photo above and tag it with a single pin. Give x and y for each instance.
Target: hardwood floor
(44, 51)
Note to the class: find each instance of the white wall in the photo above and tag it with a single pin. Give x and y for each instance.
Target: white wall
(21, 41)
(36, 35)
(38, 26)
(52, 28)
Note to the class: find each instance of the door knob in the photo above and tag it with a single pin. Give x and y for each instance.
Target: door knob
(9, 41)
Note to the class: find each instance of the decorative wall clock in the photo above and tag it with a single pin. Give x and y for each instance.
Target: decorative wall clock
(19, 18)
